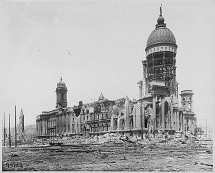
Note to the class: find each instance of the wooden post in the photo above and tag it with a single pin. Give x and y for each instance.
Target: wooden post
(15, 127)
(4, 129)
(9, 133)
(206, 129)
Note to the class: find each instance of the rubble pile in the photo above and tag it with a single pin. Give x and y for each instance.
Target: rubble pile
(159, 141)
(114, 152)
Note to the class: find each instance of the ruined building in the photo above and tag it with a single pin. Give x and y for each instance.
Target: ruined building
(20, 126)
(157, 109)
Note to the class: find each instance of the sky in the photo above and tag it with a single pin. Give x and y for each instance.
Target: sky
(98, 46)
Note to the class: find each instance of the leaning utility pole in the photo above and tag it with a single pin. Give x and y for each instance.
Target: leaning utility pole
(15, 126)
(9, 133)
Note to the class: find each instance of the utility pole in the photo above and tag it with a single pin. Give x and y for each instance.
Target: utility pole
(4, 129)
(15, 127)
(206, 129)
(9, 133)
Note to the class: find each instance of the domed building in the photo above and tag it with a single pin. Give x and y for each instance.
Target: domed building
(158, 90)
(157, 109)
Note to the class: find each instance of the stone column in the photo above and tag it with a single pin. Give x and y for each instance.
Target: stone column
(45, 123)
(169, 114)
(127, 113)
(111, 123)
(118, 124)
(39, 127)
(143, 114)
(182, 122)
(79, 122)
(154, 112)
(176, 120)
(43, 127)
(61, 124)
(162, 114)
(140, 88)
(57, 123)
(66, 122)
(134, 116)
(138, 119)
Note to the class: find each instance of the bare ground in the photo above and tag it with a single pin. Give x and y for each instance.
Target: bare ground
(110, 157)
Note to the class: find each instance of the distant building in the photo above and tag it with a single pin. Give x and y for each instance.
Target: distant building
(157, 109)
(198, 131)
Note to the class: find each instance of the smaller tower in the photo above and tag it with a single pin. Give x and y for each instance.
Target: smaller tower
(101, 97)
(189, 118)
(187, 100)
(61, 94)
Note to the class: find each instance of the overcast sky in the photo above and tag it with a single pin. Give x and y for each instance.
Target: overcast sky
(98, 47)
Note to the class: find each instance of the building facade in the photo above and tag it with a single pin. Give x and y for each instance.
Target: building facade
(157, 108)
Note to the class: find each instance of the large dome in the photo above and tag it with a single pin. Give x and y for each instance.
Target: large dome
(161, 34)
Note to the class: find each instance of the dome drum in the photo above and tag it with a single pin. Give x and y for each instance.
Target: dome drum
(161, 48)
(161, 55)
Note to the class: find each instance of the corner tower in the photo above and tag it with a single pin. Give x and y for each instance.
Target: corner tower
(159, 68)
(61, 94)
(190, 121)
(187, 100)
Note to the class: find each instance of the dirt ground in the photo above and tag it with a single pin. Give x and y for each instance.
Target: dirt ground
(121, 156)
